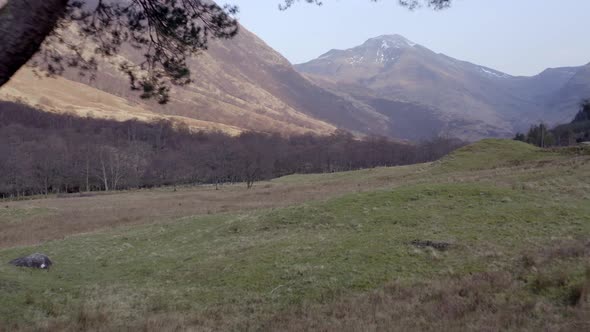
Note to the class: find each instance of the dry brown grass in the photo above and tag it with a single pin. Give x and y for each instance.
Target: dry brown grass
(36, 221)
(476, 303)
(502, 300)
(59, 95)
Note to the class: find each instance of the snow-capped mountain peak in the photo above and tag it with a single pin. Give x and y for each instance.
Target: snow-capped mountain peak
(391, 41)
(379, 50)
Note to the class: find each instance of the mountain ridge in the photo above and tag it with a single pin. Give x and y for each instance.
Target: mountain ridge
(471, 100)
(234, 86)
(387, 86)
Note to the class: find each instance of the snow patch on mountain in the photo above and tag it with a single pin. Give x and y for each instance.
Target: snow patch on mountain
(391, 41)
(493, 73)
(355, 59)
(396, 42)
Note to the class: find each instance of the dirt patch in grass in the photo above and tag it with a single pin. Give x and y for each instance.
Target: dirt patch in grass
(442, 246)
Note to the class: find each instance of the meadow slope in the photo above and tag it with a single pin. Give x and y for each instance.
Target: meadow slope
(325, 252)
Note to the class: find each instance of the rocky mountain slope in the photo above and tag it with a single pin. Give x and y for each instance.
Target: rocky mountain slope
(567, 97)
(463, 99)
(240, 83)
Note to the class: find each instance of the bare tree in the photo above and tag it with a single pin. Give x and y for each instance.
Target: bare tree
(44, 153)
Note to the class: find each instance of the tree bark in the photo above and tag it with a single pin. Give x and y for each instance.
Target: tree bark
(24, 25)
(87, 172)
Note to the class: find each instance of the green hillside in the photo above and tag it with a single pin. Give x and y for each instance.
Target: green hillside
(516, 219)
(491, 153)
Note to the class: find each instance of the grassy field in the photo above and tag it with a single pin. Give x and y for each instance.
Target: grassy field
(317, 252)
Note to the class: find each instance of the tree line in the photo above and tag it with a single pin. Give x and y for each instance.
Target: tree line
(44, 153)
(577, 131)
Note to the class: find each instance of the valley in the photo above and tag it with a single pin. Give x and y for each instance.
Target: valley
(195, 166)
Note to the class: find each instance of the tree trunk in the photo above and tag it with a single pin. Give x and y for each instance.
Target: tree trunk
(104, 175)
(87, 173)
(24, 24)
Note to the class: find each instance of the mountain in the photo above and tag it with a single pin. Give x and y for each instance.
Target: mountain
(388, 86)
(240, 84)
(460, 98)
(568, 96)
(60, 95)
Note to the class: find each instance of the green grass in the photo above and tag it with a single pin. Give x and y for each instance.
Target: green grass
(493, 153)
(265, 262)
(353, 176)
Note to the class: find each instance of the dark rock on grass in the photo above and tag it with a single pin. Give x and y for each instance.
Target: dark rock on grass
(37, 261)
(442, 246)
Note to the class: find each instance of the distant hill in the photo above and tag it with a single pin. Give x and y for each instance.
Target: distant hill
(464, 99)
(564, 102)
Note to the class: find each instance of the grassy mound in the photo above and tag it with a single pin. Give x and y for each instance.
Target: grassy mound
(492, 153)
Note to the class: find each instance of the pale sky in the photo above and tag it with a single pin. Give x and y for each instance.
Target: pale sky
(519, 37)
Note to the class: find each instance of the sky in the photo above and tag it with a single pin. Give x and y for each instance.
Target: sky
(518, 37)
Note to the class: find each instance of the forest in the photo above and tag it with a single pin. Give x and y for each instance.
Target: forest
(46, 153)
(577, 131)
